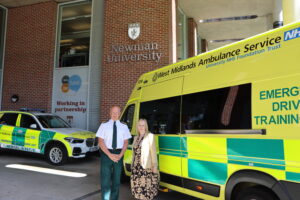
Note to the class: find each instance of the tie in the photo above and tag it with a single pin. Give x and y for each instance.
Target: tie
(114, 142)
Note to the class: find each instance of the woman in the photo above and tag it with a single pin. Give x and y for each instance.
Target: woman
(145, 177)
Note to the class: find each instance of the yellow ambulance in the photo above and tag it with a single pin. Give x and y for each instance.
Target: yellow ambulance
(227, 122)
(45, 133)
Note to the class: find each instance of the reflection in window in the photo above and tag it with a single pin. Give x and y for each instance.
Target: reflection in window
(9, 119)
(50, 121)
(225, 108)
(163, 115)
(74, 34)
(27, 121)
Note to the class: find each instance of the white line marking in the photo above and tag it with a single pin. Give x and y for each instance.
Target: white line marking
(47, 171)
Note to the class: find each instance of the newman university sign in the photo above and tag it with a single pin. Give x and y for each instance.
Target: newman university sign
(134, 53)
(134, 30)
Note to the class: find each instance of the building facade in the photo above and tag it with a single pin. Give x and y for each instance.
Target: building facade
(77, 58)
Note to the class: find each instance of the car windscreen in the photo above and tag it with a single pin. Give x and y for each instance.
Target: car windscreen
(50, 121)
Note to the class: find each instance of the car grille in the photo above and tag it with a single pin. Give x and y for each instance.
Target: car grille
(90, 142)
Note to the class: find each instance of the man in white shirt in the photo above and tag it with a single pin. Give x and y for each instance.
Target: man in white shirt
(113, 141)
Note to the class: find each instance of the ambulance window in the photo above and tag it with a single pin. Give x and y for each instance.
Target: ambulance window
(9, 119)
(225, 108)
(128, 116)
(163, 115)
(27, 121)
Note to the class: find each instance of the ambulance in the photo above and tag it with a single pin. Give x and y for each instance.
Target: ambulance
(46, 134)
(227, 122)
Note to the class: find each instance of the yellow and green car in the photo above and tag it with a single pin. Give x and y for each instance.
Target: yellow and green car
(46, 134)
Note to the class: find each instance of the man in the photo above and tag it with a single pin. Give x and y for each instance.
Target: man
(113, 141)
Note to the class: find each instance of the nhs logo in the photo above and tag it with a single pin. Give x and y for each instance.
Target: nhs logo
(292, 34)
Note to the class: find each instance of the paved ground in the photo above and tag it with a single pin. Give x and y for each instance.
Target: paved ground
(17, 184)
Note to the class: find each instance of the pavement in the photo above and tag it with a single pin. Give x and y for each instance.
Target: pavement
(20, 184)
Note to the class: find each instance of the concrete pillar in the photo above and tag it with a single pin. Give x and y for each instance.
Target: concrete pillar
(291, 11)
(96, 59)
(277, 14)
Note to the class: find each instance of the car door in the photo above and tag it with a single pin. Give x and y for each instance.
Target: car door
(33, 131)
(128, 117)
(7, 137)
(163, 116)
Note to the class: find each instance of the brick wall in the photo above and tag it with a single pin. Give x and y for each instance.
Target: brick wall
(119, 78)
(29, 56)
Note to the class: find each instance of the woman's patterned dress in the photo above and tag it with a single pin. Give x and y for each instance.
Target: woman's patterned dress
(144, 183)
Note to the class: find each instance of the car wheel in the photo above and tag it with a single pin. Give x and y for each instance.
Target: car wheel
(256, 193)
(56, 154)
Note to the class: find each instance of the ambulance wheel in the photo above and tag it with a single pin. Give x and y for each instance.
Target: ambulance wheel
(256, 193)
(56, 154)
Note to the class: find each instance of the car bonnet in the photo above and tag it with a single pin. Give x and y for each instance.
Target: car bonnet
(73, 132)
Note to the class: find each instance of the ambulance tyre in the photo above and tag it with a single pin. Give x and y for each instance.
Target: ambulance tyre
(56, 154)
(256, 193)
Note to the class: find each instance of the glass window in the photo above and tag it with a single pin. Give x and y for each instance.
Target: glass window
(27, 121)
(225, 108)
(51, 121)
(128, 116)
(181, 35)
(199, 45)
(9, 119)
(74, 34)
(163, 115)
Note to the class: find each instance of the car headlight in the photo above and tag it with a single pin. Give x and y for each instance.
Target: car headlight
(74, 140)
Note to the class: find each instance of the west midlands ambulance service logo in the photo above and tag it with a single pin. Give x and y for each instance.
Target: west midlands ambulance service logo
(70, 83)
(155, 76)
(134, 30)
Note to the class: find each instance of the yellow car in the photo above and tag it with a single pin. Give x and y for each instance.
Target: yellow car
(46, 134)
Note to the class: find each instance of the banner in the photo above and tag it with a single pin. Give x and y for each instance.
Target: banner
(70, 95)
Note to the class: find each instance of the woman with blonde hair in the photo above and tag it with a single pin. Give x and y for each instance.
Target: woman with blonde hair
(145, 177)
